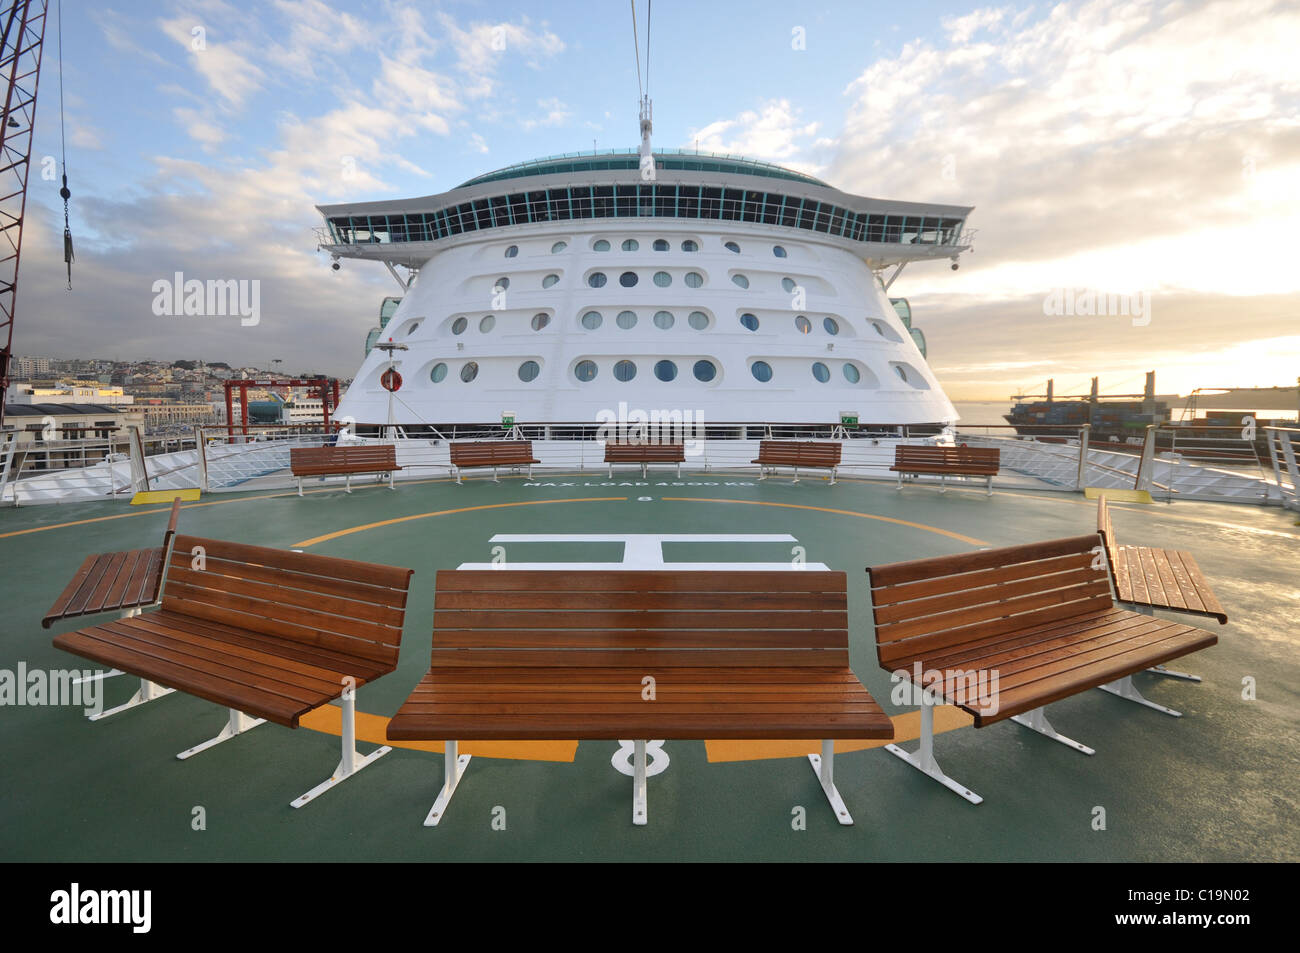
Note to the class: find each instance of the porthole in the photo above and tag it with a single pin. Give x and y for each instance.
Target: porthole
(541, 320)
(501, 285)
(665, 371)
(831, 325)
(469, 372)
(592, 320)
(661, 244)
(596, 279)
(624, 371)
(664, 320)
(512, 251)
(585, 371)
(459, 325)
(559, 247)
(879, 329)
(803, 325)
(902, 374)
(732, 247)
(762, 371)
(439, 373)
(628, 279)
(487, 324)
(749, 322)
(690, 245)
(600, 245)
(693, 279)
(528, 371)
(630, 244)
(663, 279)
(852, 374)
(413, 328)
(698, 320)
(626, 320)
(550, 280)
(778, 251)
(704, 371)
(740, 281)
(788, 284)
(821, 372)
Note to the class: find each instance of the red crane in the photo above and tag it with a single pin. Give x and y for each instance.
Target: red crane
(20, 66)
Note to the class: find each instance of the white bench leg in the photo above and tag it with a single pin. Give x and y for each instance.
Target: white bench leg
(457, 469)
(823, 766)
(832, 476)
(147, 692)
(923, 758)
(300, 486)
(1036, 720)
(237, 724)
(638, 784)
(1170, 673)
(347, 482)
(453, 769)
(1125, 688)
(352, 760)
(97, 676)
(796, 477)
(988, 485)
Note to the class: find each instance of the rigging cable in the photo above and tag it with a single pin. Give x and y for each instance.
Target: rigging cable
(636, 46)
(64, 193)
(648, 5)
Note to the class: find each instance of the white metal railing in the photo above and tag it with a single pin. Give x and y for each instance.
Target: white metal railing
(1282, 445)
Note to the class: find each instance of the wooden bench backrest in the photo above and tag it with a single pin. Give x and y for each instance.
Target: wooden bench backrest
(652, 452)
(338, 604)
(926, 606)
(654, 618)
(1107, 533)
(381, 456)
(906, 453)
(805, 452)
(487, 452)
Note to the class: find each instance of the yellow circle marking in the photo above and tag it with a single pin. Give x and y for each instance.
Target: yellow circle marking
(826, 509)
(464, 509)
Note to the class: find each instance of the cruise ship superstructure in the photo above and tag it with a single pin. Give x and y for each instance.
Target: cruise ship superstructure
(561, 288)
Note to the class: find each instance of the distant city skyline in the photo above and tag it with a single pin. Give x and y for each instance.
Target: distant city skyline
(1113, 148)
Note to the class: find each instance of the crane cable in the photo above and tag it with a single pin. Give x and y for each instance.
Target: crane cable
(64, 192)
(648, 5)
(636, 48)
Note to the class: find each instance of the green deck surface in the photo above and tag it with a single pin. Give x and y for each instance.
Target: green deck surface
(1217, 784)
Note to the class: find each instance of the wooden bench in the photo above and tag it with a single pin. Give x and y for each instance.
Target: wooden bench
(645, 454)
(115, 582)
(943, 462)
(378, 459)
(1003, 632)
(1149, 579)
(809, 454)
(522, 654)
(471, 454)
(269, 633)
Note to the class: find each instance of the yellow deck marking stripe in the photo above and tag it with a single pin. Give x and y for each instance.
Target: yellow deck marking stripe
(464, 509)
(826, 509)
(373, 729)
(145, 497)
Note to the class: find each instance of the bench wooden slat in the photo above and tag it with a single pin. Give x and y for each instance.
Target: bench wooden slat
(336, 460)
(344, 571)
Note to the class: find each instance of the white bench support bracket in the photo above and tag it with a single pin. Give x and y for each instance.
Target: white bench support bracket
(1125, 688)
(237, 724)
(453, 769)
(1036, 720)
(923, 758)
(823, 766)
(638, 784)
(352, 760)
(147, 692)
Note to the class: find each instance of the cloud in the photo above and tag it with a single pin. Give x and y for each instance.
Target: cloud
(774, 132)
(216, 57)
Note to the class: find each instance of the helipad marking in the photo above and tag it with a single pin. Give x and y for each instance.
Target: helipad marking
(645, 551)
(826, 509)
(463, 509)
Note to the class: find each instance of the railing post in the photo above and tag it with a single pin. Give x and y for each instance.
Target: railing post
(201, 449)
(1081, 479)
(1142, 480)
(139, 471)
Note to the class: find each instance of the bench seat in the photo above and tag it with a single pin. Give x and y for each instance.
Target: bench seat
(477, 454)
(645, 454)
(344, 461)
(537, 654)
(1001, 633)
(918, 459)
(809, 454)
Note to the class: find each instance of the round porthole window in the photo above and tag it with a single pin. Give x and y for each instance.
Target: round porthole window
(528, 371)
(626, 320)
(597, 279)
(762, 371)
(704, 371)
(821, 372)
(592, 320)
(624, 371)
(439, 373)
(469, 372)
(585, 371)
(665, 370)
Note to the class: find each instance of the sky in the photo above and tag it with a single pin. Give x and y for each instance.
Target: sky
(1118, 147)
